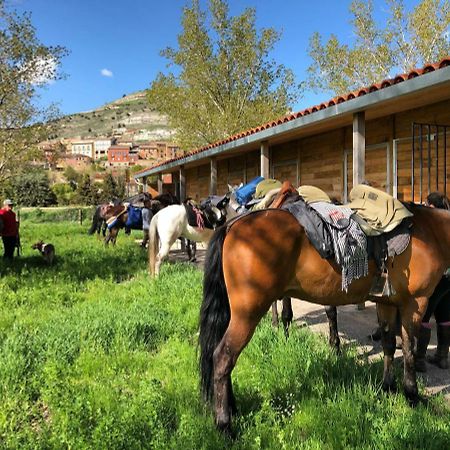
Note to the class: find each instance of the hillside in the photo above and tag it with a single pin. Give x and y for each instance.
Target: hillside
(129, 116)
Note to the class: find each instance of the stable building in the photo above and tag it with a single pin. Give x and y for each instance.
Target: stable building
(394, 134)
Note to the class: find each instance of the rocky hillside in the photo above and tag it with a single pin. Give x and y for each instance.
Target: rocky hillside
(129, 116)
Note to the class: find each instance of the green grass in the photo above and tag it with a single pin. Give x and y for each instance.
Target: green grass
(93, 354)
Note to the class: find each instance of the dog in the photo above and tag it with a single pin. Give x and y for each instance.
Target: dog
(47, 251)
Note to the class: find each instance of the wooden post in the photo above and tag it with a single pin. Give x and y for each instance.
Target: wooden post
(160, 183)
(359, 157)
(182, 184)
(80, 214)
(265, 159)
(213, 182)
(359, 148)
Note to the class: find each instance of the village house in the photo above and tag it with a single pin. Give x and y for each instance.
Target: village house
(122, 155)
(393, 134)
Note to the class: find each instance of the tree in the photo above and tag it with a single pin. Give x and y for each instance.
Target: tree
(224, 80)
(26, 65)
(109, 188)
(409, 40)
(86, 193)
(31, 188)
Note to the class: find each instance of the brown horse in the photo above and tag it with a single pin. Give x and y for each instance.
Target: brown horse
(266, 255)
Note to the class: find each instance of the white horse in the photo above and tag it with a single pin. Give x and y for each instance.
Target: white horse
(171, 223)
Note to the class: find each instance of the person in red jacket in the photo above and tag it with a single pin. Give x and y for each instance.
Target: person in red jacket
(10, 230)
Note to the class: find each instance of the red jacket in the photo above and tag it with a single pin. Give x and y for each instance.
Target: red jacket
(10, 227)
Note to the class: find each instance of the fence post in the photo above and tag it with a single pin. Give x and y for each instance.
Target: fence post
(81, 216)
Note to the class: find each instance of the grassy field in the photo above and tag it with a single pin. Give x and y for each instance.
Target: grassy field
(95, 355)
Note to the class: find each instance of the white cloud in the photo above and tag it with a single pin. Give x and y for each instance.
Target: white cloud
(41, 71)
(106, 73)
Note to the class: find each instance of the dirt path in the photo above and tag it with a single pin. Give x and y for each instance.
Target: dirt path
(354, 326)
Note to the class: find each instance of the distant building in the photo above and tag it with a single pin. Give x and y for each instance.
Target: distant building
(101, 147)
(82, 147)
(122, 155)
(159, 151)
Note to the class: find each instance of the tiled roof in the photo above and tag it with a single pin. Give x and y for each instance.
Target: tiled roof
(336, 100)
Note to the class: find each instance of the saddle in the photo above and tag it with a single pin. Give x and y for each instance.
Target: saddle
(203, 216)
(384, 220)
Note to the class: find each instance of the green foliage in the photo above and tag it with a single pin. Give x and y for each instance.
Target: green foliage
(86, 193)
(94, 354)
(225, 81)
(72, 176)
(25, 65)
(64, 193)
(109, 188)
(407, 40)
(31, 188)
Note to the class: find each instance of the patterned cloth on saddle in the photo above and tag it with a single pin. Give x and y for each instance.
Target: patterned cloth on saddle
(343, 234)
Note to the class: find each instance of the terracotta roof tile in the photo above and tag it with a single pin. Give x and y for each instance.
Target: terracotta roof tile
(340, 99)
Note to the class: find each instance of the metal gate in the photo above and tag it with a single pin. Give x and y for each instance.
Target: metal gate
(428, 160)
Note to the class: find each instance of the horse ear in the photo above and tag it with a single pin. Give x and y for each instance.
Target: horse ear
(242, 184)
(230, 188)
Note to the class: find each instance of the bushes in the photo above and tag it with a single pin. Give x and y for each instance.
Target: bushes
(62, 214)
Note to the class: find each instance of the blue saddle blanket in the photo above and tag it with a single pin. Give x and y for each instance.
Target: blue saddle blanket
(134, 220)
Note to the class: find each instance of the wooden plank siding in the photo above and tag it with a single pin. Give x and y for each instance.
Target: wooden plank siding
(321, 159)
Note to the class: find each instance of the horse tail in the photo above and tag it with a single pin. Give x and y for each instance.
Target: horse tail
(95, 221)
(214, 312)
(153, 244)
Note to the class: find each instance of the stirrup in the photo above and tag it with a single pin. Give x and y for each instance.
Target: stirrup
(381, 286)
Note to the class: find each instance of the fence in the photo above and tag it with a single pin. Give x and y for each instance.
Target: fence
(56, 214)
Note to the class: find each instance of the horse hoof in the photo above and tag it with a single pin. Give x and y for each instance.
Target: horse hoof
(389, 388)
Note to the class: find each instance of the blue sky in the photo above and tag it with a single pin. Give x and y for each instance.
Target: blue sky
(115, 44)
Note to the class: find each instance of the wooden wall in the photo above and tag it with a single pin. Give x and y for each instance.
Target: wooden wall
(320, 160)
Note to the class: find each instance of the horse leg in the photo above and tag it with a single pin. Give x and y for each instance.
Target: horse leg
(275, 314)
(411, 317)
(286, 314)
(236, 337)
(193, 251)
(162, 255)
(334, 341)
(387, 318)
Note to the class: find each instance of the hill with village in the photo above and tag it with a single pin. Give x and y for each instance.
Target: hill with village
(129, 118)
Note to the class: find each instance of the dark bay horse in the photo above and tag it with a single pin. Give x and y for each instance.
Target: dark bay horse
(266, 255)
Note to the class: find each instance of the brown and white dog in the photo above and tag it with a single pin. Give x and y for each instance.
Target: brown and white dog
(47, 251)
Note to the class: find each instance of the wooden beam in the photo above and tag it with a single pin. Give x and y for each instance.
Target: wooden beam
(265, 159)
(182, 184)
(213, 181)
(359, 147)
(160, 183)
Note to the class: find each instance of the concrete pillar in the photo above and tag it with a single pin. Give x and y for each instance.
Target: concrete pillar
(213, 182)
(359, 148)
(182, 184)
(265, 159)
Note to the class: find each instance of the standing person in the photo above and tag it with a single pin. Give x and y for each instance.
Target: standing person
(10, 230)
(439, 306)
(147, 215)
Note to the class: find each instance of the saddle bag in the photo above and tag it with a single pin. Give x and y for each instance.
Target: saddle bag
(134, 220)
(245, 193)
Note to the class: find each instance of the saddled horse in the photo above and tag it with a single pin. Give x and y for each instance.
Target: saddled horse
(266, 255)
(120, 211)
(100, 217)
(172, 223)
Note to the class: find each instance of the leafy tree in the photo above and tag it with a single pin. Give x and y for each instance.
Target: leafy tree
(31, 188)
(408, 40)
(64, 193)
(109, 188)
(86, 193)
(25, 66)
(121, 186)
(224, 81)
(72, 176)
